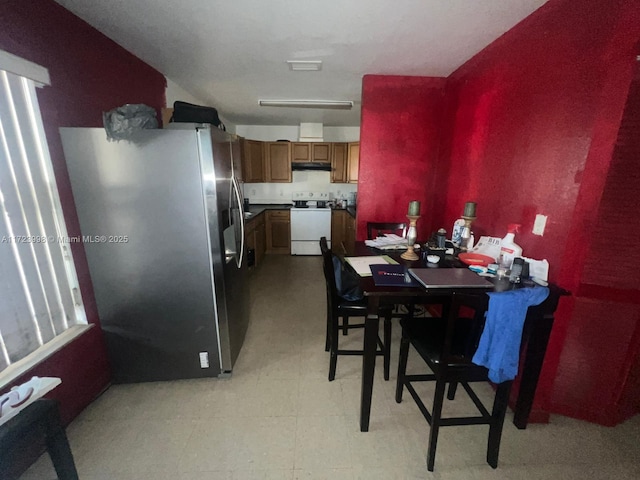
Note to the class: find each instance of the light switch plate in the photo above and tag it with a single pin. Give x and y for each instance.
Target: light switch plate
(539, 224)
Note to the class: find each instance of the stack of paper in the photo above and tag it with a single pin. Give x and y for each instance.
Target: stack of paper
(362, 264)
(389, 241)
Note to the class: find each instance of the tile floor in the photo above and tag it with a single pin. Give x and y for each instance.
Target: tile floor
(279, 417)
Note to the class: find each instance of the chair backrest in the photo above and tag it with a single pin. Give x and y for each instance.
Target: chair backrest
(465, 322)
(375, 229)
(329, 275)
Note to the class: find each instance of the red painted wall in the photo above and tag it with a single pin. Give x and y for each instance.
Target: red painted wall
(399, 138)
(528, 126)
(536, 121)
(89, 74)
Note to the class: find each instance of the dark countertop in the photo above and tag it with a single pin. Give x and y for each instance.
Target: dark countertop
(258, 208)
(350, 210)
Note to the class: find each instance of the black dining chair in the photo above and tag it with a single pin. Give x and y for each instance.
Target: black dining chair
(375, 229)
(447, 346)
(338, 308)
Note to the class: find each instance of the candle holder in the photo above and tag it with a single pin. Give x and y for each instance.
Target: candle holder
(466, 232)
(412, 236)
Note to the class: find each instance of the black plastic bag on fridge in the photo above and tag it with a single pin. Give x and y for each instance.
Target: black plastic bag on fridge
(184, 112)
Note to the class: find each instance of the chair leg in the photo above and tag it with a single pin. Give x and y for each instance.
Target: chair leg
(345, 325)
(451, 393)
(333, 348)
(327, 341)
(497, 421)
(436, 414)
(387, 346)
(402, 366)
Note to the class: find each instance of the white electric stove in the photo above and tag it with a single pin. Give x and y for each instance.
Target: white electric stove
(310, 220)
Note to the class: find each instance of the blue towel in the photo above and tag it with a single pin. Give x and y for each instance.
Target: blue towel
(499, 348)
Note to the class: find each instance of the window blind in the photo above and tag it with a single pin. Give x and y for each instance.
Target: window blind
(39, 292)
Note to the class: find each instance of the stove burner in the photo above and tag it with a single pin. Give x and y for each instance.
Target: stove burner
(321, 204)
(300, 204)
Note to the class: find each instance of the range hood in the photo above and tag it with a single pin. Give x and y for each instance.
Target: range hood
(311, 132)
(322, 167)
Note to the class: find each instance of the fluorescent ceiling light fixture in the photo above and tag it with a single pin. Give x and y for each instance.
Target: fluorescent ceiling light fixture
(305, 65)
(333, 104)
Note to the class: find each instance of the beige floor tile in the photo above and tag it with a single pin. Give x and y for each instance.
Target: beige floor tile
(279, 365)
(268, 474)
(241, 443)
(322, 441)
(210, 475)
(381, 446)
(319, 398)
(324, 474)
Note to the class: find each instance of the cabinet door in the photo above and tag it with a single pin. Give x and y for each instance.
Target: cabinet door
(300, 152)
(256, 158)
(260, 241)
(321, 152)
(339, 162)
(350, 240)
(338, 232)
(253, 161)
(278, 232)
(278, 162)
(353, 162)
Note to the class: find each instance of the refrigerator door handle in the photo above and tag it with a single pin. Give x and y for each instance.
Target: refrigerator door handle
(241, 216)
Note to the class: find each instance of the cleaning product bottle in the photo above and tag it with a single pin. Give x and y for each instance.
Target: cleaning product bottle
(508, 248)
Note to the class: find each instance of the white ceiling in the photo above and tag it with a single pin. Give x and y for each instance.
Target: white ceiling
(232, 53)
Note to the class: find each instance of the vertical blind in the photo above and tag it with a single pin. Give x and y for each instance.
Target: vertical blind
(39, 294)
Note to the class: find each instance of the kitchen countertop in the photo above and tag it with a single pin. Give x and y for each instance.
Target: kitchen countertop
(258, 208)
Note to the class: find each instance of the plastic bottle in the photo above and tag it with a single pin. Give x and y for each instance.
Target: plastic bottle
(508, 248)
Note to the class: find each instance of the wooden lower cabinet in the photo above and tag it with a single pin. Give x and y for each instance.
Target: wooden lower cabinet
(278, 231)
(255, 238)
(343, 232)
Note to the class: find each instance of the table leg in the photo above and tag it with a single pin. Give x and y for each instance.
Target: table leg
(533, 359)
(369, 361)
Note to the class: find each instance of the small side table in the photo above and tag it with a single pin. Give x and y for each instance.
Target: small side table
(43, 418)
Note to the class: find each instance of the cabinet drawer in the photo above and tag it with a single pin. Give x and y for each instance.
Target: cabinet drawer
(281, 214)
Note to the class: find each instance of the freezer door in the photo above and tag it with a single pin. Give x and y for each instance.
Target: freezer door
(226, 232)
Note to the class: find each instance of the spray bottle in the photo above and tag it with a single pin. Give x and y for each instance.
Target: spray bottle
(508, 248)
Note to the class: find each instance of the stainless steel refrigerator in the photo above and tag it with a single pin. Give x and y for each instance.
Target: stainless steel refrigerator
(163, 229)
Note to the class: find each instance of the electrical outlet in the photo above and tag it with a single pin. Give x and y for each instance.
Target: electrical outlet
(204, 359)
(539, 224)
(253, 191)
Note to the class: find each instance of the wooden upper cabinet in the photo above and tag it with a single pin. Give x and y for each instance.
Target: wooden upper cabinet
(300, 152)
(353, 161)
(305, 152)
(321, 152)
(339, 162)
(253, 162)
(278, 162)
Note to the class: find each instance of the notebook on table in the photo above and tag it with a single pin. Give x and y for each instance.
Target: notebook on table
(392, 276)
(449, 278)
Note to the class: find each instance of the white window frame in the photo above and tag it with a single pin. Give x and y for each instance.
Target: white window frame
(43, 293)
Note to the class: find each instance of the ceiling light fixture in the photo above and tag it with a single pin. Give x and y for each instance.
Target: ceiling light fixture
(333, 104)
(304, 65)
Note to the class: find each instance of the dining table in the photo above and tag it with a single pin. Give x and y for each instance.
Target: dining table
(535, 337)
